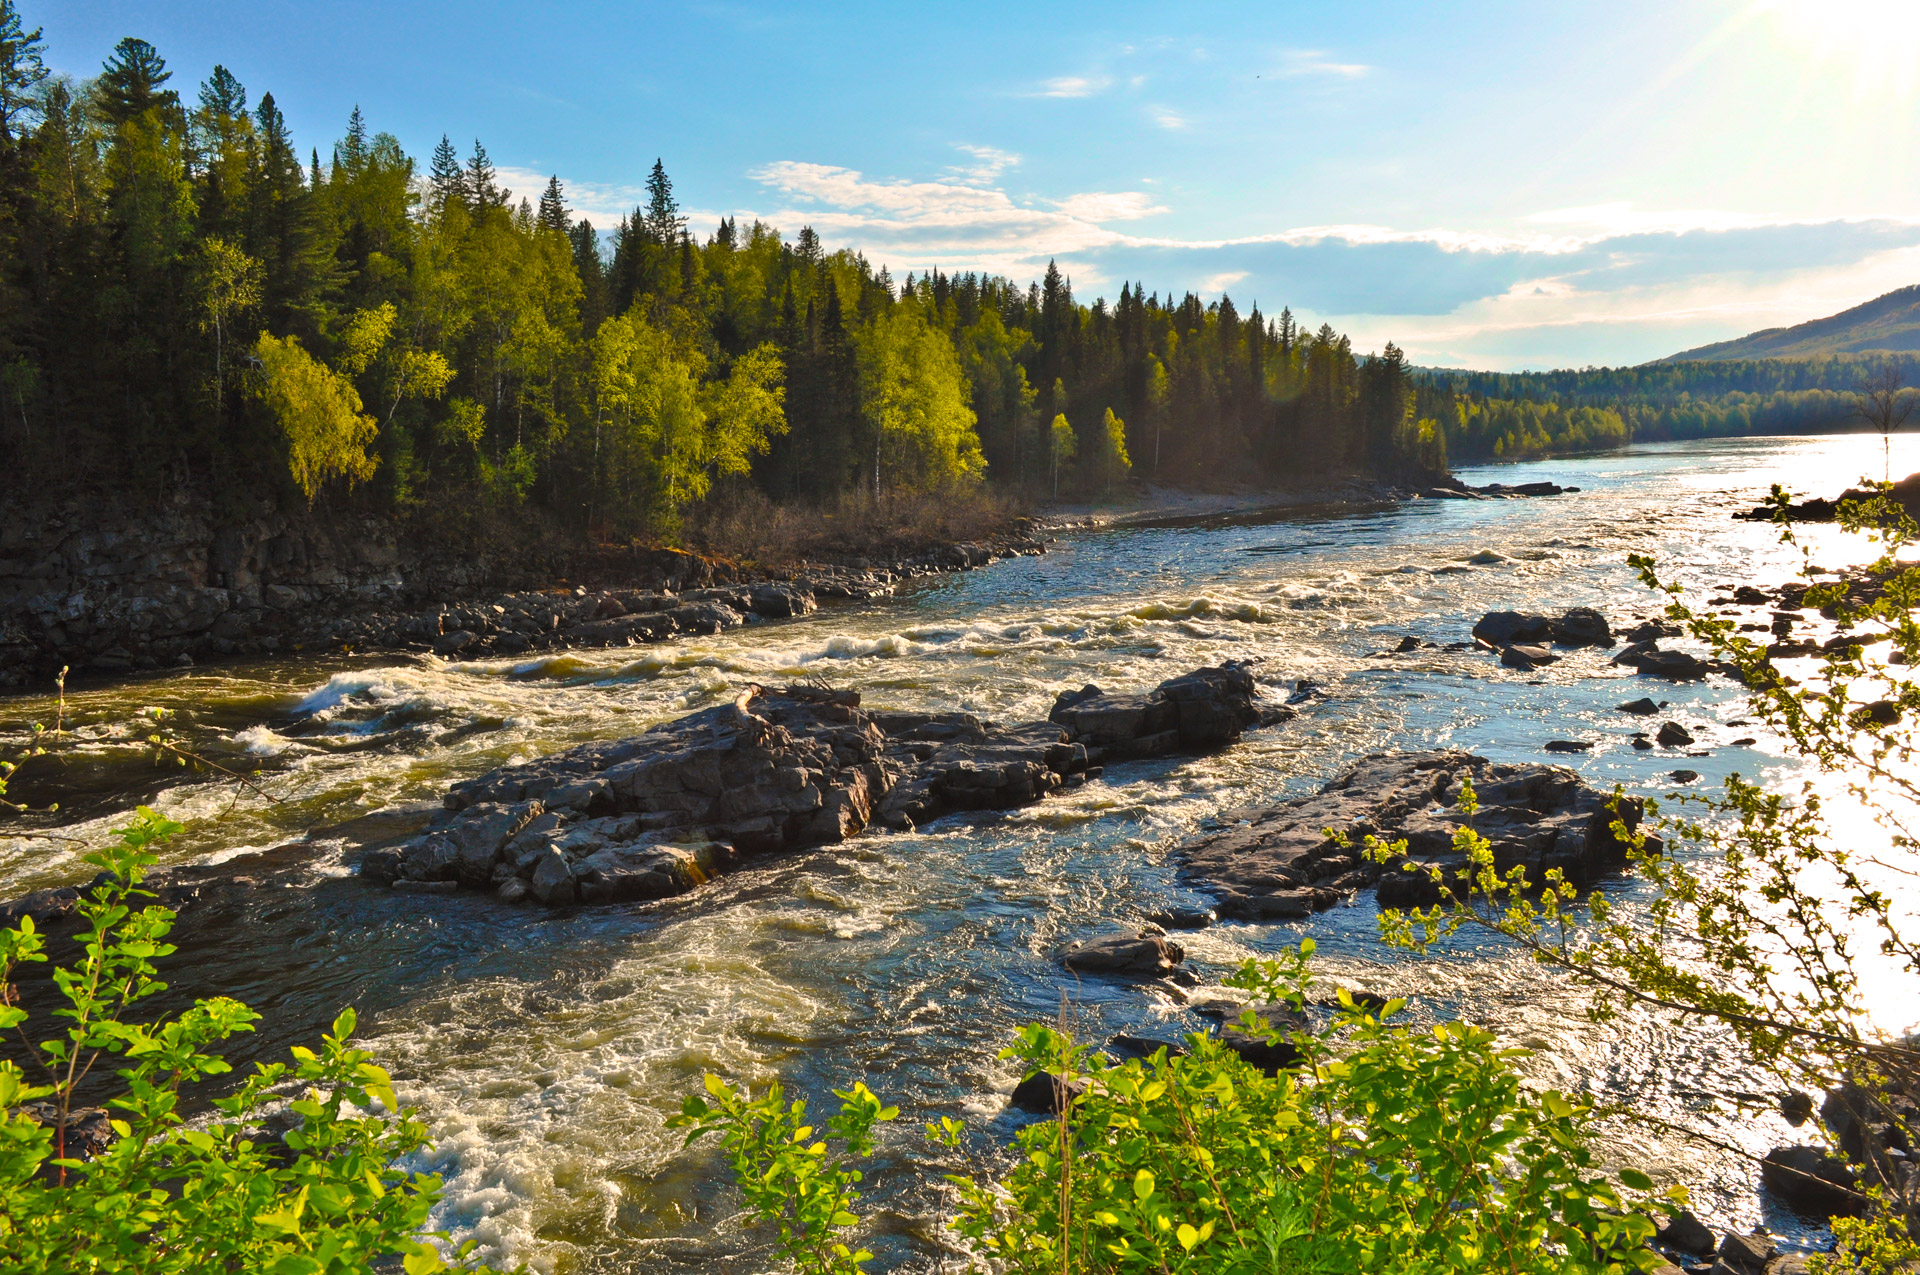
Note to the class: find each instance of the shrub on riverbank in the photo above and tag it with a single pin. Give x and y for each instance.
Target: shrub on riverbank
(1379, 1149)
(749, 527)
(151, 1191)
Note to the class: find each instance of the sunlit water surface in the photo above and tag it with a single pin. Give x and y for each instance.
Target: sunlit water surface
(548, 1048)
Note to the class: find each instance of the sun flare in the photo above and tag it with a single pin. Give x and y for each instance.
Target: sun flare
(1878, 39)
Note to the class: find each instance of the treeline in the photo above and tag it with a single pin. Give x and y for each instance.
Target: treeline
(1494, 415)
(188, 300)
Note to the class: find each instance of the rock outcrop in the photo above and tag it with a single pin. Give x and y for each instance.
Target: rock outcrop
(1200, 710)
(1277, 862)
(661, 812)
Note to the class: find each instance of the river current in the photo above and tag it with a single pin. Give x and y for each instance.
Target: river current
(548, 1048)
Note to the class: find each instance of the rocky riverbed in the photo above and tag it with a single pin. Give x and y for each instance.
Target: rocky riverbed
(662, 812)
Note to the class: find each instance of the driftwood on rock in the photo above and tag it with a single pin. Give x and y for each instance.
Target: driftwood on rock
(659, 813)
(1278, 863)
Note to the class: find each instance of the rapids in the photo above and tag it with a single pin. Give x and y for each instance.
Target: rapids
(548, 1048)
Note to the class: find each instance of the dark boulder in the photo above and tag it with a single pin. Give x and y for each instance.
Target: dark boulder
(1202, 709)
(1501, 628)
(1642, 707)
(1673, 735)
(1044, 1093)
(1811, 1182)
(1526, 658)
(1685, 1233)
(1129, 954)
(1745, 1254)
(1675, 666)
(1582, 626)
(1267, 1048)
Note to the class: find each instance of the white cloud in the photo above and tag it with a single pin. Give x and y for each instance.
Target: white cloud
(1316, 62)
(1222, 281)
(989, 163)
(1166, 118)
(1103, 206)
(1074, 86)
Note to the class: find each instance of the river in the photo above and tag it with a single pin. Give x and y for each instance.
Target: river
(547, 1049)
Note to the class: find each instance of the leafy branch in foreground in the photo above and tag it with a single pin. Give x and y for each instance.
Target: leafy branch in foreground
(1769, 918)
(1383, 1149)
(160, 1193)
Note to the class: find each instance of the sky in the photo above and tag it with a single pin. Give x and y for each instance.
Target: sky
(1500, 184)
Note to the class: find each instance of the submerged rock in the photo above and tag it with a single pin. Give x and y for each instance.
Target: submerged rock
(1280, 863)
(660, 813)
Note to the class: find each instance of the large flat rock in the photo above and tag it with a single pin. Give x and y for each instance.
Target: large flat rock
(1278, 862)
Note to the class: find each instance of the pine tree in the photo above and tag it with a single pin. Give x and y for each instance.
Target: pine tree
(553, 207)
(481, 191)
(447, 180)
(129, 83)
(220, 93)
(21, 72)
(664, 222)
(353, 151)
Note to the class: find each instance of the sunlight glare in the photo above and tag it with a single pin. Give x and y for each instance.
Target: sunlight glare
(1879, 40)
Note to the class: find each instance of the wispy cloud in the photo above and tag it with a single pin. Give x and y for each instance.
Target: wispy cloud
(1167, 118)
(1075, 86)
(1317, 62)
(988, 163)
(1103, 206)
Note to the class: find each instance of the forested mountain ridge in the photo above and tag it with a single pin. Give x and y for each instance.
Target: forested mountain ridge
(188, 302)
(1889, 323)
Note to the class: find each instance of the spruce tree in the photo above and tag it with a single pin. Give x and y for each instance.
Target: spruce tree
(481, 191)
(664, 222)
(354, 149)
(553, 207)
(21, 72)
(446, 180)
(129, 84)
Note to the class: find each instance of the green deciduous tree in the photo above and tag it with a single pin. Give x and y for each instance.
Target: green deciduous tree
(318, 412)
(914, 397)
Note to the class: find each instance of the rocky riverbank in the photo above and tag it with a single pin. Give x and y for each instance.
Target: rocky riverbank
(108, 594)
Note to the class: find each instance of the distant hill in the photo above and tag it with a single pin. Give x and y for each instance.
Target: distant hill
(1888, 323)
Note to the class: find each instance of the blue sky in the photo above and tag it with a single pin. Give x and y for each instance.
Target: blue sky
(1491, 183)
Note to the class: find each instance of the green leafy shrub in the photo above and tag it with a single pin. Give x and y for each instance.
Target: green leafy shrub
(1387, 1149)
(166, 1195)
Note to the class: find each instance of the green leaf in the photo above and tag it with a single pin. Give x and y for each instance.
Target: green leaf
(1143, 1184)
(1636, 1179)
(1187, 1236)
